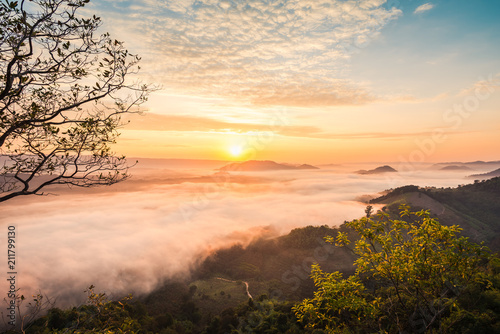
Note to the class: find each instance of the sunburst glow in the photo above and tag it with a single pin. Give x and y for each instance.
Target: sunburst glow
(236, 151)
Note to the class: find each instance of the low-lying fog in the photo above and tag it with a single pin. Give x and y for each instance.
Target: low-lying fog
(129, 237)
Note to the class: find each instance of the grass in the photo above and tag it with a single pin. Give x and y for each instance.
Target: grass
(214, 295)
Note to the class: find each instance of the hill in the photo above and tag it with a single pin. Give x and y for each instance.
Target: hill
(262, 165)
(474, 207)
(455, 168)
(481, 165)
(484, 176)
(378, 170)
(277, 268)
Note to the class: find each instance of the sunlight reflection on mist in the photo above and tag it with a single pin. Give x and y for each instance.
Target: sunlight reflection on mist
(128, 238)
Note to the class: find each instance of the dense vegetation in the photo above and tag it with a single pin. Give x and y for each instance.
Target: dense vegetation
(413, 275)
(475, 207)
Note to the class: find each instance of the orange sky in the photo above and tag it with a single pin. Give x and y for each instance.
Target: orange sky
(314, 81)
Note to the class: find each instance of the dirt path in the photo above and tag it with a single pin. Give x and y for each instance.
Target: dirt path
(246, 285)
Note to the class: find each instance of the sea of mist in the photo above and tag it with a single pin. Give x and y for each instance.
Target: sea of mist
(130, 237)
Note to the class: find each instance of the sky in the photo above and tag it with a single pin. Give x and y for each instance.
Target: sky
(313, 81)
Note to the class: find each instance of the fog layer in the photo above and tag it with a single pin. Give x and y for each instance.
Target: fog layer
(128, 238)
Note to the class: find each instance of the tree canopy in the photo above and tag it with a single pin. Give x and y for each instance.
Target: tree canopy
(63, 90)
(412, 275)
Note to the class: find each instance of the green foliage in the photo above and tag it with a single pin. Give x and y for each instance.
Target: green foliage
(266, 316)
(477, 203)
(278, 267)
(338, 304)
(412, 274)
(475, 207)
(98, 315)
(306, 237)
(396, 192)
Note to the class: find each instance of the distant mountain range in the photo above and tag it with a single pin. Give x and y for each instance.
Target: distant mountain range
(471, 164)
(378, 170)
(485, 176)
(262, 165)
(456, 168)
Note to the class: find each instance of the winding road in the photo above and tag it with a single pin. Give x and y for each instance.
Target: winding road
(246, 285)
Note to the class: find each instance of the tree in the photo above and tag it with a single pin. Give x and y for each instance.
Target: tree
(413, 275)
(369, 211)
(62, 94)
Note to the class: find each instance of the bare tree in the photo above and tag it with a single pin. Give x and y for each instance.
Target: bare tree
(62, 94)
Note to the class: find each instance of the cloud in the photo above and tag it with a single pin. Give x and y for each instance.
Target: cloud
(424, 8)
(130, 240)
(483, 88)
(186, 123)
(157, 122)
(293, 52)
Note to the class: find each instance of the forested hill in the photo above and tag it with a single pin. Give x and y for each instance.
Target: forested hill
(474, 207)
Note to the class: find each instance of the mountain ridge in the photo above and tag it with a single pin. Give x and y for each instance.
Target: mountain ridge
(378, 170)
(262, 165)
(483, 176)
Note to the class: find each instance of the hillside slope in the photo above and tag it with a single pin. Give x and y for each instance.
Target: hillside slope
(474, 207)
(484, 176)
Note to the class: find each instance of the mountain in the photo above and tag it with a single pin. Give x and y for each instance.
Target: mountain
(485, 176)
(483, 164)
(378, 170)
(470, 164)
(262, 165)
(306, 166)
(455, 168)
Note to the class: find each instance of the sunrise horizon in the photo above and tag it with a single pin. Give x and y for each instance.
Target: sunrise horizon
(328, 162)
(324, 82)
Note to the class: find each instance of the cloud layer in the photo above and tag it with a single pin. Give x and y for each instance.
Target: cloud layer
(157, 122)
(128, 239)
(290, 52)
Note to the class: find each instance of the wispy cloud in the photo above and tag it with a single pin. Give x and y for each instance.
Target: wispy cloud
(484, 87)
(186, 123)
(156, 122)
(424, 8)
(291, 52)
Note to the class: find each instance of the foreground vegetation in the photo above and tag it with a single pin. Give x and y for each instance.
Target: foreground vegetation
(412, 275)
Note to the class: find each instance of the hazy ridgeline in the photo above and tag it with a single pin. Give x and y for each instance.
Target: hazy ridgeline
(171, 214)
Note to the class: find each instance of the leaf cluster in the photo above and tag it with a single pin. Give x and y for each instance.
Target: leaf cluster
(412, 274)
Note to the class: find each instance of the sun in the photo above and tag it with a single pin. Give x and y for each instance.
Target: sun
(236, 151)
